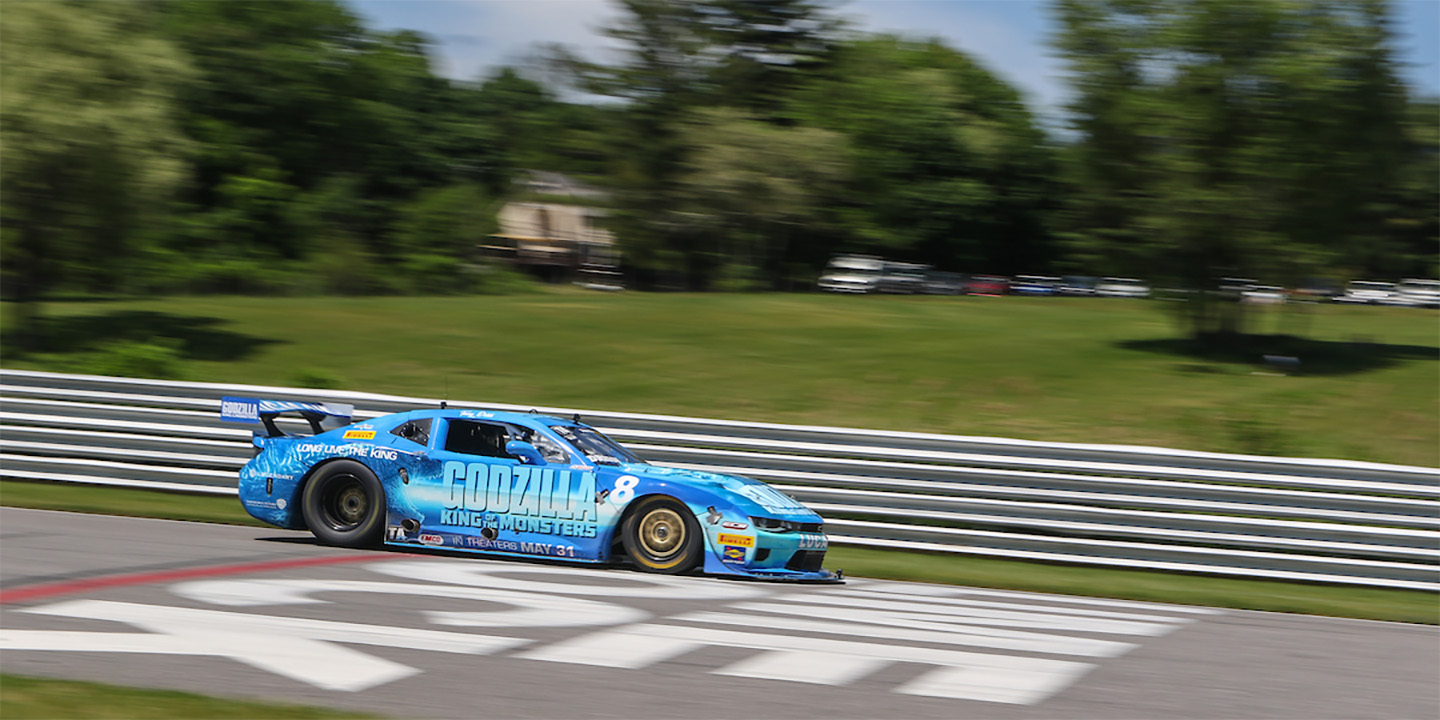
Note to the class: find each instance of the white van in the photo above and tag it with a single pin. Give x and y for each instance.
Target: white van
(1369, 292)
(853, 274)
(1419, 293)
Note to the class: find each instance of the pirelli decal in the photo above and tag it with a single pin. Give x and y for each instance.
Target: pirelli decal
(736, 540)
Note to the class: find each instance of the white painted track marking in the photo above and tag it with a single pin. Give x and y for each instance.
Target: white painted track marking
(528, 609)
(499, 574)
(999, 639)
(822, 668)
(615, 649)
(1000, 678)
(321, 664)
(940, 603)
(921, 589)
(298, 648)
(1002, 685)
(827, 636)
(964, 615)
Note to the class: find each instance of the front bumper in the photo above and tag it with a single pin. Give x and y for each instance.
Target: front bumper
(757, 553)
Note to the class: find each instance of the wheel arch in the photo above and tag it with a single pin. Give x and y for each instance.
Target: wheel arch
(304, 482)
(699, 501)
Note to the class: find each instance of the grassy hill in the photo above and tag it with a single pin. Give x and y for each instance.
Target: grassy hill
(1086, 370)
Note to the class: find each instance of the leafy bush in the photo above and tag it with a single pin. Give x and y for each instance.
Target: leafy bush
(160, 359)
(492, 279)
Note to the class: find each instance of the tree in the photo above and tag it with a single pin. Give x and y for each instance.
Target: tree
(948, 166)
(298, 110)
(756, 195)
(528, 127)
(91, 148)
(762, 49)
(1222, 138)
(681, 55)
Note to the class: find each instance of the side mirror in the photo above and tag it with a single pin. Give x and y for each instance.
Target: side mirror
(524, 451)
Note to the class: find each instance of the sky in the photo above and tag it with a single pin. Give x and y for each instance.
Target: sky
(474, 37)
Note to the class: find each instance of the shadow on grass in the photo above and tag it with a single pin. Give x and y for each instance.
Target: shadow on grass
(1287, 353)
(196, 337)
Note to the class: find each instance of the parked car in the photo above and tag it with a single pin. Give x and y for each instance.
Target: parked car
(1419, 292)
(1233, 288)
(1263, 295)
(1077, 285)
(1119, 287)
(901, 278)
(1035, 285)
(988, 285)
(853, 274)
(1315, 290)
(943, 283)
(1369, 292)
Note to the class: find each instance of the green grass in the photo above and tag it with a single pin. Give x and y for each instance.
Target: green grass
(103, 500)
(44, 699)
(1082, 370)
(1340, 601)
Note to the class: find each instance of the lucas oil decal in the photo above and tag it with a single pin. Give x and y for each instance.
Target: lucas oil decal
(519, 498)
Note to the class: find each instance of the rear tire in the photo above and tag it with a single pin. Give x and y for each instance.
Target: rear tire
(661, 536)
(344, 505)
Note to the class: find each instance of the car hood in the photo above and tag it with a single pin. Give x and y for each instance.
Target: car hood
(755, 497)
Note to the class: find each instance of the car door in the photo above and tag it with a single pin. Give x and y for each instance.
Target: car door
(505, 505)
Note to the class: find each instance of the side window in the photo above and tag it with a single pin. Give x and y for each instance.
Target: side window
(476, 438)
(416, 431)
(553, 452)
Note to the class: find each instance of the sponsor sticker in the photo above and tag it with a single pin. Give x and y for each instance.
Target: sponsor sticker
(428, 539)
(735, 525)
(741, 540)
(732, 554)
(359, 434)
(238, 409)
(813, 542)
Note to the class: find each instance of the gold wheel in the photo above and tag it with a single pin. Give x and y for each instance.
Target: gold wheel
(662, 533)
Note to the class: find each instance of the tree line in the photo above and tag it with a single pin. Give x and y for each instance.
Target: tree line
(189, 146)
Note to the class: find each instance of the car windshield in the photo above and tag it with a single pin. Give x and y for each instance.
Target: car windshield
(595, 446)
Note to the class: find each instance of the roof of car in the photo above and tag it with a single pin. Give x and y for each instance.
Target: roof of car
(510, 416)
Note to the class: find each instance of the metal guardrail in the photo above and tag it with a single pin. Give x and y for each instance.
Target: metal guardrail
(1283, 518)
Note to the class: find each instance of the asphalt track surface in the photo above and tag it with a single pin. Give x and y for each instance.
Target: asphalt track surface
(268, 614)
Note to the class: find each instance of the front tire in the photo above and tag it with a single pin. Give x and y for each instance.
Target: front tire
(661, 535)
(344, 505)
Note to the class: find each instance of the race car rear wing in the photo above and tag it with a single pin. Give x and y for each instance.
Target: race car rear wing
(321, 416)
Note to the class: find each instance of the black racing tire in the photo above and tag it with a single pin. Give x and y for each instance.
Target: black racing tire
(344, 504)
(661, 535)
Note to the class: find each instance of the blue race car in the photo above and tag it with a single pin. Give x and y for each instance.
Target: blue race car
(519, 484)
